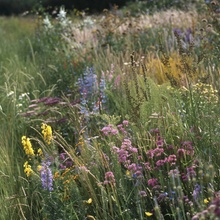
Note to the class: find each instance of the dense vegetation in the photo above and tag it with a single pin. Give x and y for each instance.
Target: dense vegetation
(111, 116)
(14, 7)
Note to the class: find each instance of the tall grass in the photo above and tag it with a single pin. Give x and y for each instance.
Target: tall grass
(130, 119)
(18, 74)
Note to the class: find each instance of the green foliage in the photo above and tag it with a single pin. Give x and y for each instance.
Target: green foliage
(136, 138)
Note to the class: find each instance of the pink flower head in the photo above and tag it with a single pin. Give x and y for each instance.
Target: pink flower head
(109, 178)
(152, 182)
(172, 159)
(125, 122)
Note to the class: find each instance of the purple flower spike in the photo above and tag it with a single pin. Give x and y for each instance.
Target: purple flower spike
(46, 176)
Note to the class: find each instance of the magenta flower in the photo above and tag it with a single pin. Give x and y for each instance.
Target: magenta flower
(172, 159)
(109, 178)
(125, 122)
(152, 182)
(160, 163)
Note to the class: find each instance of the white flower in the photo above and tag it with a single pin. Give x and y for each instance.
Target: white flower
(47, 22)
(62, 14)
(19, 105)
(88, 22)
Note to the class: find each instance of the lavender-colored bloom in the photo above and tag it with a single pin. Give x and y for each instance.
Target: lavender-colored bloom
(62, 156)
(162, 196)
(190, 171)
(62, 167)
(46, 176)
(92, 93)
(177, 30)
(196, 191)
(173, 173)
(188, 35)
(142, 193)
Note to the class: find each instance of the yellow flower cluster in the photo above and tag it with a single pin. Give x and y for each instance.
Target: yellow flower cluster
(47, 133)
(27, 169)
(39, 152)
(207, 90)
(39, 167)
(27, 146)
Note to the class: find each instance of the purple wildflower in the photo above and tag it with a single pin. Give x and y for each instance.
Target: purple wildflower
(172, 159)
(152, 182)
(109, 178)
(196, 191)
(46, 176)
(142, 193)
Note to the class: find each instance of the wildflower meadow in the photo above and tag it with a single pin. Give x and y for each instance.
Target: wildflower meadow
(111, 116)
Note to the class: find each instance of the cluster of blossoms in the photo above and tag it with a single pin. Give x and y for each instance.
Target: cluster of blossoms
(174, 162)
(111, 130)
(47, 133)
(27, 146)
(65, 161)
(207, 93)
(211, 212)
(46, 175)
(45, 171)
(125, 152)
(62, 19)
(109, 178)
(92, 92)
(186, 35)
(27, 169)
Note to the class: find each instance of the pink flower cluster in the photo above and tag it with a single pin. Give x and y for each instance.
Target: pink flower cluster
(125, 151)
(111, 130)
(109, 178)
(135, 170)
(186, 149)
(152, 182)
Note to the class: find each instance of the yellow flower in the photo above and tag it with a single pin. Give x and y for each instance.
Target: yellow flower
(89, 201)
(56, 175)
(66, 182)
(148, 214)
(27, 146)
(39, 167)
(128, 174)
(27, 169)
(39, 152)
(206, 200)
(47, 133)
